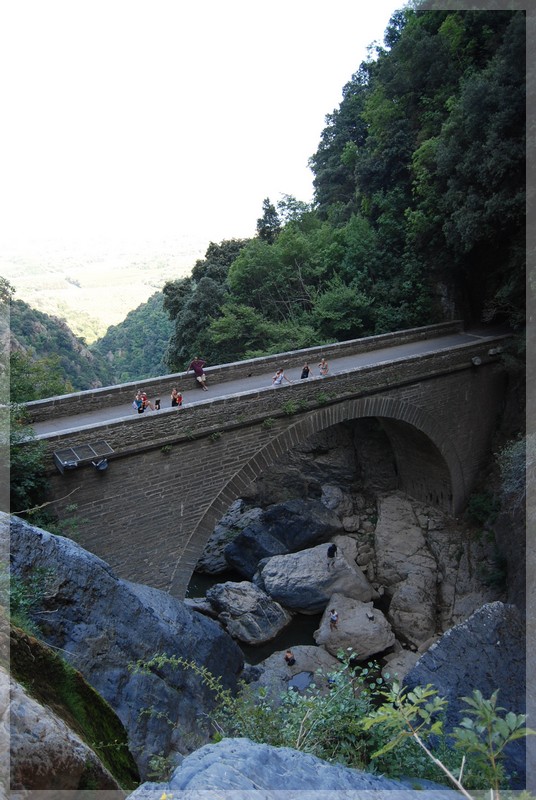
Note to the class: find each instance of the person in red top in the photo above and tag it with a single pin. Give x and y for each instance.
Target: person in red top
(197, 366)
(146, 403)
(176, 398)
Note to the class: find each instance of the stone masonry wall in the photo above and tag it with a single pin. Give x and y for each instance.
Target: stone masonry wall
(173, 475)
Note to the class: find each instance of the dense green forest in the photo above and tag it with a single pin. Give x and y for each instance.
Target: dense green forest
(418, 216)
(39, 337)
(419, 211)
(43, 345)
(136, 348)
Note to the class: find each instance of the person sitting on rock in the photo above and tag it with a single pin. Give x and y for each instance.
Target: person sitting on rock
(331, 553)
(289, 658)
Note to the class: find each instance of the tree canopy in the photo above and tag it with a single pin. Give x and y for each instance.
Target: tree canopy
(419, 207)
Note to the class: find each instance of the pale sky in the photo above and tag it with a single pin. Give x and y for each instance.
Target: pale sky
(126, 119)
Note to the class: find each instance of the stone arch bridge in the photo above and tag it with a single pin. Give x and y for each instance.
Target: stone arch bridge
(171, 475)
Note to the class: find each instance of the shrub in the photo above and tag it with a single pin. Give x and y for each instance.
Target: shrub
(482, 508)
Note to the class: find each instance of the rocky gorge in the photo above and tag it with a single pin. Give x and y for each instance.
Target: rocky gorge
(411, 587)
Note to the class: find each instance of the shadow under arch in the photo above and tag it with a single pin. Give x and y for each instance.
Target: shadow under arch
(389, 411)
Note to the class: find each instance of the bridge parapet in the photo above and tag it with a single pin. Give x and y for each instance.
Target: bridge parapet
(95, 399)
(213, 417)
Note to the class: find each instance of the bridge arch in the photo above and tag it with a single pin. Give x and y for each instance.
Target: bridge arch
(421, 447)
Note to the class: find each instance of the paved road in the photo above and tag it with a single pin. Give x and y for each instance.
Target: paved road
(193, 396)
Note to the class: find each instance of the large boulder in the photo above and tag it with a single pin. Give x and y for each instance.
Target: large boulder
(275, 676)
(238, 517)
(283, 528)
(305, 581)
(406, 568)
(486, 652)
(243, 770)
(250, 547)
(360, 627)
(248, 613)
(44, 752)
(433, 569)
(103, 625)
(55, 684)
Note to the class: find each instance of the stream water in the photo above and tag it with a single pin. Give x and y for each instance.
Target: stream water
(299, 631)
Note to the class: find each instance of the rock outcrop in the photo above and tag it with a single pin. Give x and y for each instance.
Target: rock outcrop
(275, 676)
(360, 627)
(243, 770)
(283, 528)
(55, 684)
(238, 517)
(44, 752)
(304, 581)
(486, 652)
(406, 568)
(429, 568)
(248, 613)
(104, 625)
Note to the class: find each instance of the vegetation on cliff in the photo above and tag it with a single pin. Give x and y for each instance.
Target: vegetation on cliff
(367, 723)
(38, 338)
(54, 683)
(419, 210)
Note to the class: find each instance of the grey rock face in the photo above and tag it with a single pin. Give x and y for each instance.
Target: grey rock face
(407, 568)
(304, 581)
(282, 528)
(53, 756)
(103, 625)
(485, 652)
(247, 612)
(360, 627)
(242, 770)
(238, 517)
(250, 547)
(274, 674)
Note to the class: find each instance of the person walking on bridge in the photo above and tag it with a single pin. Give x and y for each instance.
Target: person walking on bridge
(197, 366)
(323, 367)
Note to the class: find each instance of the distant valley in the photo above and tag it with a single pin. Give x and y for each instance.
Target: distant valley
(93, 291)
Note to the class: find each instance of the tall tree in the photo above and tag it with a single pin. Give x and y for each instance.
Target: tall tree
(269, 225)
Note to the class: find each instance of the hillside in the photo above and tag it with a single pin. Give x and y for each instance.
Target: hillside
(41, 336)
(419, 208)
(136, 347)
